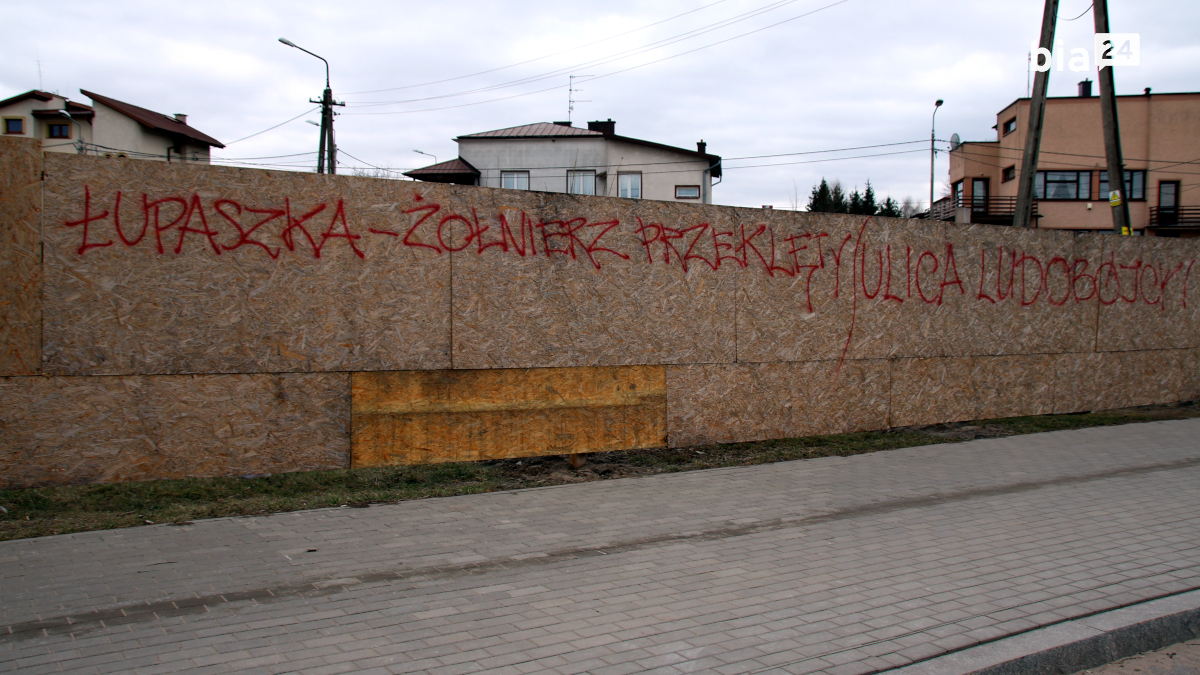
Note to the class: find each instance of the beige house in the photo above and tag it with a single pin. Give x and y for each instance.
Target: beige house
(559, 157)
(1160, 140)
(107, 127)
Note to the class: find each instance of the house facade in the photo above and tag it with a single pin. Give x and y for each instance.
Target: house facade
(1159, 141)
(559, 157)
(107, 127)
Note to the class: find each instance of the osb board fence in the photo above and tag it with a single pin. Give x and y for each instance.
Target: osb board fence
(178, 305)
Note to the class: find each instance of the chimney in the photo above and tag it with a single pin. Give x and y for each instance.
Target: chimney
(1085, 89)
(181, 118)
(563, 124)
(606, 127)
(702, 147)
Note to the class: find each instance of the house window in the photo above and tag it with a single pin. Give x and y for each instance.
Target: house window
(581, 182)
(14, 125)
(687, 192)
(957, 192)
(58, 130)
(1008, 174)
(1010, 126)
(1063, 185)
(629, 185)
(514, 180)
(1135, 185)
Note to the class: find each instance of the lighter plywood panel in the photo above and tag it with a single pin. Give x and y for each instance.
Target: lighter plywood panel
(63, 430)
(162, 295)
(418, 417)
(726, 403)
(20, 256)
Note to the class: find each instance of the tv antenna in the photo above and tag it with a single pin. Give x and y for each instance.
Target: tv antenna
(571, 91)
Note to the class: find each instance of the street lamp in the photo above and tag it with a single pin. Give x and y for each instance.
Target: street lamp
(326, 149)
(66, 114)
(420, 152)
(932, 153)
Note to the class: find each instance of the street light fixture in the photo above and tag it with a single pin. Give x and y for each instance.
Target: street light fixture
(326, 150)
(66, 114)
(932, 153)
(421, 152)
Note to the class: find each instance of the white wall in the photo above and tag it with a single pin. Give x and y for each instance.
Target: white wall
(35, 128)
(548, 159)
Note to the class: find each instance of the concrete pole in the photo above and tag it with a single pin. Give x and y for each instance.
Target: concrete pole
(1112, 133)
(1037, 116)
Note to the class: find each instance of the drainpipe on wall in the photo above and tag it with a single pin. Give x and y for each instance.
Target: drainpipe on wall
(706, 195)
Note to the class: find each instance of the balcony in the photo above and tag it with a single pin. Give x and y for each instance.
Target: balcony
(984, 210)
(1177, 217)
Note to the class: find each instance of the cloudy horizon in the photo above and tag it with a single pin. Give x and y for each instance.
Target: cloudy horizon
(752, 78)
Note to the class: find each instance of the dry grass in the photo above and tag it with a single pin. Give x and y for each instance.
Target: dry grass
(80, 508)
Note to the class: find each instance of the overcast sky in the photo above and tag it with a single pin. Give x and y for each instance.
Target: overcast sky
(848, 74)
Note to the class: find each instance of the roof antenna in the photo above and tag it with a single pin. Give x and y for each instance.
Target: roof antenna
(1028, 70)
(38, 54)
(571, 90)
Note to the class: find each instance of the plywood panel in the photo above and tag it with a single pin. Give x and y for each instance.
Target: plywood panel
(161, 295)
(558, 280)
(60, 430)
(725, 403)
(20, 256)
(416, 417)
(1126, 379)
(1022, 292)
(1149, 293)
(950, 389)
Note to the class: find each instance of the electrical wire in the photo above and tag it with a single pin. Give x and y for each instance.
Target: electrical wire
(1089, 8)
(598, 61)
(616, 72)
(540, 58)
(272, 128)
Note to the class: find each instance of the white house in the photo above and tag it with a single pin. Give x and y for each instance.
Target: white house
(558, 157)
(107, 127)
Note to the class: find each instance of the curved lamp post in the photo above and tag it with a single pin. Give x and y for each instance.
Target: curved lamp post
(326, 150)
(932, 153)
(67, 115)
(421, 152)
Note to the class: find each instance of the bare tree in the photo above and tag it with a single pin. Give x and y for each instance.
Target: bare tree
(910, 208)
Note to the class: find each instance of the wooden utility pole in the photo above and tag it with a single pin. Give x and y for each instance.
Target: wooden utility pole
(1037, 115)
(1118, 199)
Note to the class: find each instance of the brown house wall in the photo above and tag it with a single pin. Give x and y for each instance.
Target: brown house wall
(224, 321)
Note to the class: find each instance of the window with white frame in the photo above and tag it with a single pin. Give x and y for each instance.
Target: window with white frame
(629, 185)
(581, 182)
(514, 180)
(687, 192)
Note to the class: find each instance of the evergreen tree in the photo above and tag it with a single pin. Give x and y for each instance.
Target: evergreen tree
(890, 209)
(820, 201)
(869, 207)
(855, 204)
(837, 199)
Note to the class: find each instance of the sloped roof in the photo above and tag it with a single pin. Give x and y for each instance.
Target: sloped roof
(154, 120)
(32, 93)
(555, 130)
(538, 130)
(456, 166)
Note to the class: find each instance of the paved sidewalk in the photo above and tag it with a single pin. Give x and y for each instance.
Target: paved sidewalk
(839, 565)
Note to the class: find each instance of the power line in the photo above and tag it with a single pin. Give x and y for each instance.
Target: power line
(513, 65)
(271, 128)
(616, 72)
(598, 61)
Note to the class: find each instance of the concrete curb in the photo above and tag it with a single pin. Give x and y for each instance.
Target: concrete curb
(1075, 645)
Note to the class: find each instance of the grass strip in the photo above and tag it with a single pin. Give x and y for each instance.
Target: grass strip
(37, 512)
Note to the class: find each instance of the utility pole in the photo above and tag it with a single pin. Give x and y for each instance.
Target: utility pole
(933, 152)
(1037, 116)
(1118, 200)
(326, 148)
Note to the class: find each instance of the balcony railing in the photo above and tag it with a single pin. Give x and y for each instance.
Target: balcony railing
(984, 210)
(1178, 216)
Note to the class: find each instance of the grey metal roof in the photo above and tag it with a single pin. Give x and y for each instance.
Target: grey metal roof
(539, 130)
